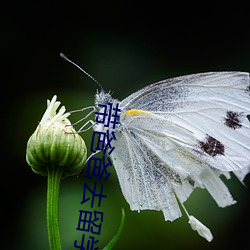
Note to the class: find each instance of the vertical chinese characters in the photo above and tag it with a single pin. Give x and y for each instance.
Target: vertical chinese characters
(91, 221)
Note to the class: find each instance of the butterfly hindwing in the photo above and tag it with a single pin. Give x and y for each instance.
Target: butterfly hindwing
(141, 184)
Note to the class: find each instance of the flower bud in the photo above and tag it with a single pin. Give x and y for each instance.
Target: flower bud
(55, 143)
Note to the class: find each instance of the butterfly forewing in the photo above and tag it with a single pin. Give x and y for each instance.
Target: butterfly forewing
(213, 106)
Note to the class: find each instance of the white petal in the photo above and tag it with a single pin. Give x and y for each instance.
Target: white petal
(48, 113)
(51, 114)
(200, 228)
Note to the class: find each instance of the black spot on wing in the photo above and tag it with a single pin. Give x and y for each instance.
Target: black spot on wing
(212, 146)
(233, 119)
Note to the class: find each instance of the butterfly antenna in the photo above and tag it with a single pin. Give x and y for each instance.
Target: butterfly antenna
(90, 76)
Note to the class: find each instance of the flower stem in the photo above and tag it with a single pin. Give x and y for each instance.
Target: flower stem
(54, 177)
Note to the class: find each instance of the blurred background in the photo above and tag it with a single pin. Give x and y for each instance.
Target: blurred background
(125, 45)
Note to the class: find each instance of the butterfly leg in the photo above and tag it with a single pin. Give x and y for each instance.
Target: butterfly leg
(81, 110)
(83, 129)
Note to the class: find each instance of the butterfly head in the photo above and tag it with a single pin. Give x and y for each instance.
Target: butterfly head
(102, 98)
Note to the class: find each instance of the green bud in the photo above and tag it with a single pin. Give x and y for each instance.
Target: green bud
(55, 143)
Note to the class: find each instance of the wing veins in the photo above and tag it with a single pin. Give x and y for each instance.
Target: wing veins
(131, 153)
(144, 184)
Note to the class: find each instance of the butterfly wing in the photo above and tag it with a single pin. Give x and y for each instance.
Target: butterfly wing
(138, 178)
(141, 184)
(213, 106)
(181, 133)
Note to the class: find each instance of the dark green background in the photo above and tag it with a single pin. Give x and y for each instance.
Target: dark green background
(125, 45)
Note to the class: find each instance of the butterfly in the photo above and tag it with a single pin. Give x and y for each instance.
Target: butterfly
(176, 135)
(179, 134)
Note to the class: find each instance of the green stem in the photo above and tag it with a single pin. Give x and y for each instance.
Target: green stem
(54, 177)
(117, 234)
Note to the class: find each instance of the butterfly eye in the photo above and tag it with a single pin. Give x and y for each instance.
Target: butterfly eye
(105, 99)
(102, 98)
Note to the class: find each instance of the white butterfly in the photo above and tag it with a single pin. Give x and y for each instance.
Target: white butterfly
(178, 134)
